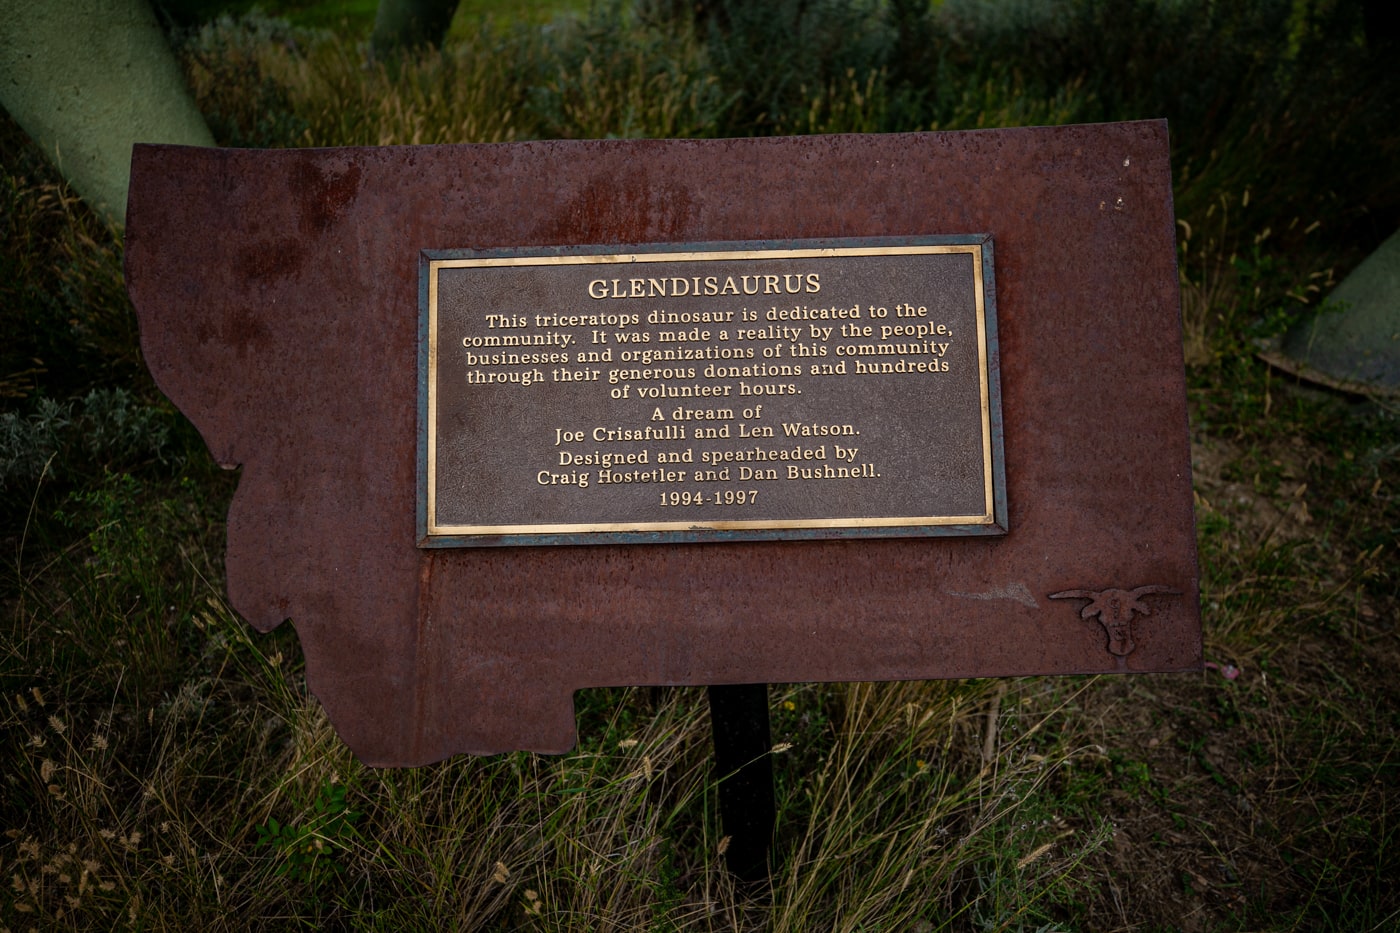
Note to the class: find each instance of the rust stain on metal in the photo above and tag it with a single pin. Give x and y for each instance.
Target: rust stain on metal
(278, 295)
(323, 195)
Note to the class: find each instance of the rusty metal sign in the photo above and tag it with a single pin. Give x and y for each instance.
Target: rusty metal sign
(678, 392)
(278, 294)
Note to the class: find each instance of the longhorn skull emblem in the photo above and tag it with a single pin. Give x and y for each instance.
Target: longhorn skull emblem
(1116, 609)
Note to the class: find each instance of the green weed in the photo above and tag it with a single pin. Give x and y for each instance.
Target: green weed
(307, 849)
(106, 429)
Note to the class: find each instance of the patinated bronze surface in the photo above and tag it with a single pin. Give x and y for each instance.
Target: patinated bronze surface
(670, 393)
(278, 294)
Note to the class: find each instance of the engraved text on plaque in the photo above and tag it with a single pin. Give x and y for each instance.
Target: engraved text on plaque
(710, 392)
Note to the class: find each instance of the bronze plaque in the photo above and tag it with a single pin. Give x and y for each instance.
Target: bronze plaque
(718, 391)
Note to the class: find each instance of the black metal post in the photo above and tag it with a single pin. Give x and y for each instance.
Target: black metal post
(739, 718)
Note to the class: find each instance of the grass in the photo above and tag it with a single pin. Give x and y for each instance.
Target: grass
(164, 767)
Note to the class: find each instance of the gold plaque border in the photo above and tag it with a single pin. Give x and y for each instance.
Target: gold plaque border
(433, 530)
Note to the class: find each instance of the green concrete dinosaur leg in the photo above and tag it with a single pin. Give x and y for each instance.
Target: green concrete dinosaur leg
(86, 79)
(1359, 342)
